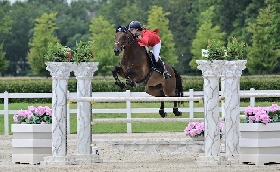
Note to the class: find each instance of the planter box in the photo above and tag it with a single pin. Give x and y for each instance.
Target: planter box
(259, 143)
(31, 142)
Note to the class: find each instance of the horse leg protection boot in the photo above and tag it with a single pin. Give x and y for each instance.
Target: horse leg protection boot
(165, 72)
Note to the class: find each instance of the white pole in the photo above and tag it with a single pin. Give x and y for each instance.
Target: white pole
(6, 112)
(128, 113)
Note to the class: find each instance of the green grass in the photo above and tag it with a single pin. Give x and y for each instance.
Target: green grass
(121, 127)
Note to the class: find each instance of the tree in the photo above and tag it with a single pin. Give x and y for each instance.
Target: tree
(157, 19)
(103, 33)
(262, 55)
(5, 27)
(205, 32)
(183, 24)
(129, 13)
(43, 34)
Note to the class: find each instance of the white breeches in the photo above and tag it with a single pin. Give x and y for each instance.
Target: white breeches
(156, 50)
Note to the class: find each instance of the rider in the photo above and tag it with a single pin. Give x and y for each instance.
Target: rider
(146, 37)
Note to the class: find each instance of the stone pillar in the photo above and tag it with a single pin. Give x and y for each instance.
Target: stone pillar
(60, 72)
(84, 73)
(230, 87)
(211, 71)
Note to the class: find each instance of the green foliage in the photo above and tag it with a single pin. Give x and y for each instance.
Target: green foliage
(130, 12)
(83, 52)
(205, 32)
(57, 53)
(102, 32)
(5, 23)
(262, 55)
(235, 49)
(3, 62)
(183, 25)
(158, 19)
(43, 34)
(216, 50)
(5, 27)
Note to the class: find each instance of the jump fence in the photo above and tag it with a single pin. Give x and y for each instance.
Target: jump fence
(129, 97)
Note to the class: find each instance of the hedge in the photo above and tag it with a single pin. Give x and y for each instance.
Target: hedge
(107, 85)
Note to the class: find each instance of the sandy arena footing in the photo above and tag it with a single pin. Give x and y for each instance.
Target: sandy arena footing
(129, 160)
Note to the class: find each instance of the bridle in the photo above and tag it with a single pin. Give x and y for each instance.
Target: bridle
(124, 40)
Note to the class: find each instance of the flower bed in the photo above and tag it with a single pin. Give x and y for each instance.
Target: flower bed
(260, 135)
(196, 129)
(32, 135)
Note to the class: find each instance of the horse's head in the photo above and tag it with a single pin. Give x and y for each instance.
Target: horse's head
(123, 38)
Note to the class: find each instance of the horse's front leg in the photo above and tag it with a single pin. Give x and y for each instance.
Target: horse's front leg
(115, 71)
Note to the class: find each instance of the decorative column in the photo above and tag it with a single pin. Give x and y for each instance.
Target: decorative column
(211, 71)
(60, 72)
(84, 72)
(230, 87)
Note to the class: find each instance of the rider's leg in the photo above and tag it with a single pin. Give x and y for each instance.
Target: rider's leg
(156, 51)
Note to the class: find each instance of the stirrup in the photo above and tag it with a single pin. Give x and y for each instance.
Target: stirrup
(166, 75)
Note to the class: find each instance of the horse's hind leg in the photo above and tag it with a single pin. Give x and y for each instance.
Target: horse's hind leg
(175, 109)
(161, 110)
(157, 92)
(115, 71)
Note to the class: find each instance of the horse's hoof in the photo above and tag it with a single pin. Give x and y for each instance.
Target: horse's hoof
(162, 113)
(177, 112)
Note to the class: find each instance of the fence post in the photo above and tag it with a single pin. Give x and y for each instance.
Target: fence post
(191, 104)
(6, 112)
(252, 99)
(68, 114)
(128, 112)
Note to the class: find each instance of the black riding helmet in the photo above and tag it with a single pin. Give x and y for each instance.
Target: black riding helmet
(135, 25)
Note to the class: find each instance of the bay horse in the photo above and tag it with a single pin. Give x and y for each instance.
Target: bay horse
(136, 67)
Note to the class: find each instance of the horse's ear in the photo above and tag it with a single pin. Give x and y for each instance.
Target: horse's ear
(118, 28)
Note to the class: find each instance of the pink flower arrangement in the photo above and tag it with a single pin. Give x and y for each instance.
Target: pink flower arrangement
(34, 115)
(195, 129)
(262, 115)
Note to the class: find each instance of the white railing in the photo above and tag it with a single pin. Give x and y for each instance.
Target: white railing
(252, 93)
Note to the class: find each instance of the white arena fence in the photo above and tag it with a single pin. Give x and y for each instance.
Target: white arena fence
(131, 97)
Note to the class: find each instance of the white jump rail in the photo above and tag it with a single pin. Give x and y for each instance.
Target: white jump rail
(252, 94)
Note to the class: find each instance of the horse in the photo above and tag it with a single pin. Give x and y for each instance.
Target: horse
(136, 66)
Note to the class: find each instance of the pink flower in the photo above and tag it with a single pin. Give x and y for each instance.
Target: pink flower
(40, 110)
(34, 115)
(31, 108)
(259, 114)
(15, 117)
(48, 111)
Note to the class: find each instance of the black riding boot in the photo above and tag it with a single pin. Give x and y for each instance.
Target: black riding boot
(165, 72)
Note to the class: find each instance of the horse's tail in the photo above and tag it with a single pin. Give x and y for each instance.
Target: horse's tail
(179, 85)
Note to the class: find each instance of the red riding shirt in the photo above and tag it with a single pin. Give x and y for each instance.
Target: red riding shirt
(149, 38)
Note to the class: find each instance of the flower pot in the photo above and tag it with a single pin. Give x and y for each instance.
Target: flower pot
(259, 143)
(31, 142)
(198, 138)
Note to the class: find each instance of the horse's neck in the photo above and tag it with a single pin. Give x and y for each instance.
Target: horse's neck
(136, 53)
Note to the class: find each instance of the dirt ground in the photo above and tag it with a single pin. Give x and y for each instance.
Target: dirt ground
(113, 160)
